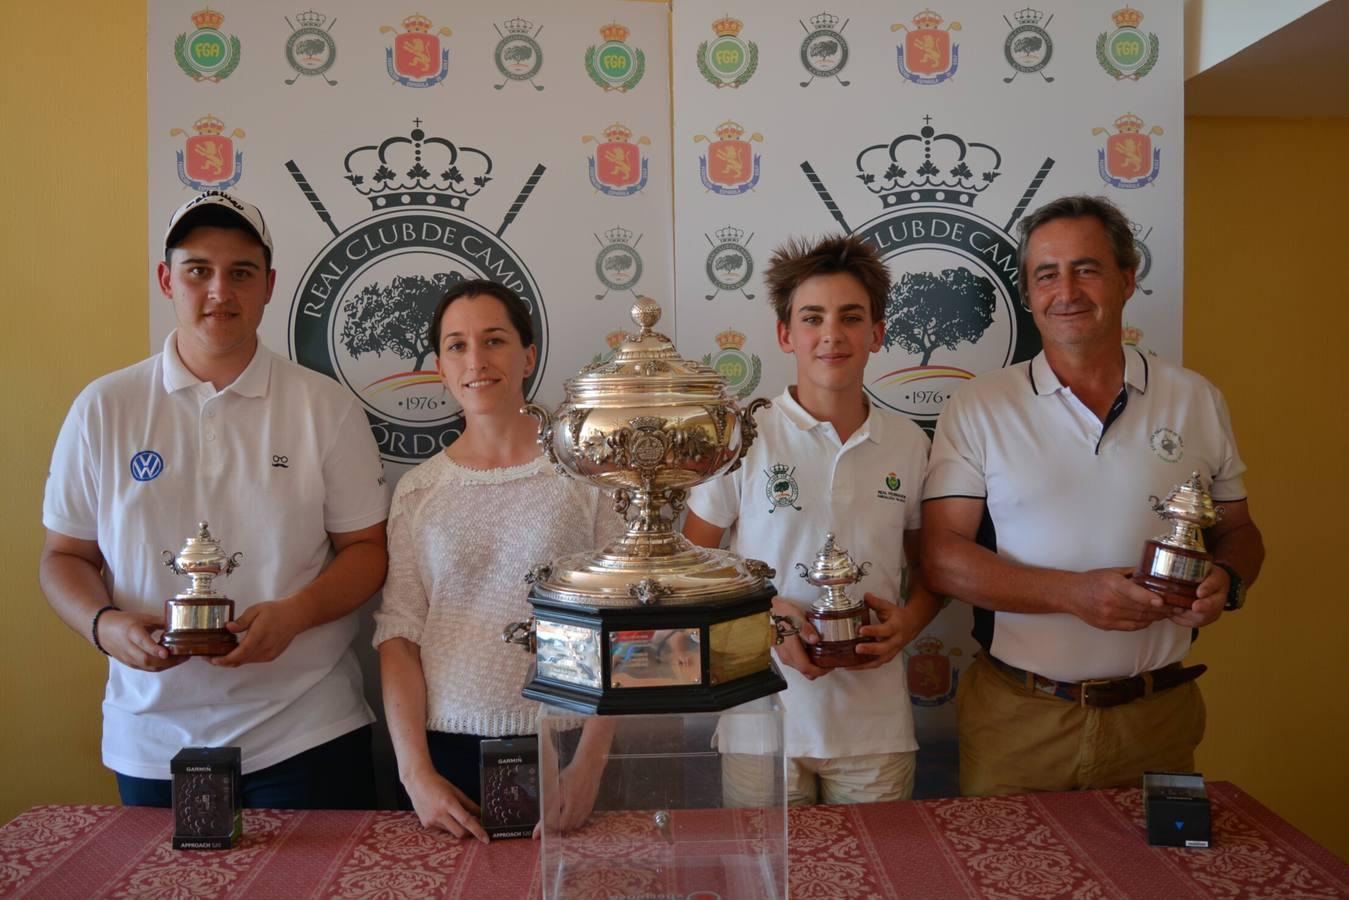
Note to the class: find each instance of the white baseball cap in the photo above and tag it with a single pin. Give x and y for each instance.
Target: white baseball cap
(250, 214)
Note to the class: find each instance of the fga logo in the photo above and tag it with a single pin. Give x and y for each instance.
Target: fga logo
(741, 371)
(618, 265)
(729, 265)
(416, 58)
(1028, 47)
(1128, 160)
(730, 166)
(932, 58)
(617, 167)
(208, 159)
(1126, 52)
(361, 310)
(781, 487)
(518, 55)
(932, 680)
(146, 465)
(954, 310)
(614, 65)
(207, 54)
(824, 52)
(310, 49)
(727, 61)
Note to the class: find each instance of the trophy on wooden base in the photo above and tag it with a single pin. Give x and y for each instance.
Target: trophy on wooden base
(1174, 564)
(835, 615)
(194, 622)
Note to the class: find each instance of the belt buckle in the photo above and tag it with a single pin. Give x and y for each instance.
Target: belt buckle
(1084, 685)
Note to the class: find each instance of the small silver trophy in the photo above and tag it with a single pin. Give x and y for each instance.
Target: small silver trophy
(835, 615)
(1174, 564)
(194, 622)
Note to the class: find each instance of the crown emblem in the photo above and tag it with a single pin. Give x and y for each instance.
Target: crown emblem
(727, 26)
(927, 19)
(927, 167)
(730, 131)
(1028, 16)
(311, 19)
(618, 235)
(1128, 124)
(207, 18)
(208, 124)
(417, 24)
(823, 22)
(1127, 17)
(729, 234)
(1132, 335)
(730, 339)
(779, 470)
(617, 133)
(615, 338)
(518, 25)
(614, 32)
(418, 170)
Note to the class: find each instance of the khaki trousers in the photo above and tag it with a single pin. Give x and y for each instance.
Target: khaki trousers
(1014, 739)
(747, 779)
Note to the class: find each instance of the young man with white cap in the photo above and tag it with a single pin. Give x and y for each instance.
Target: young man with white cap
(281, 462)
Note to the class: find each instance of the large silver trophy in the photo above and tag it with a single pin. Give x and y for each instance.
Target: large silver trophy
(650, 623)
(194, 621)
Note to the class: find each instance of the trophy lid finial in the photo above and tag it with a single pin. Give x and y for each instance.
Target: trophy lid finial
(646, 313)
(203, 530)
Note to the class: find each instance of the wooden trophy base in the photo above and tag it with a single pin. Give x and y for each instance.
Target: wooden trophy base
(199, 643)
(1173, 572)
(838, 629)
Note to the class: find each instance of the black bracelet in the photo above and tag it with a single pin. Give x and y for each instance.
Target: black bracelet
(93, 626)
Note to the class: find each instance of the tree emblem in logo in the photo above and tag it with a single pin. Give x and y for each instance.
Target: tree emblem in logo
(781, 487)
(416, 58)
(929, 310)
(1168, 446)
(208, 160)
(741, 371)
(730, 166)
(824, 52)
(927, 55)
(729, 265)
(518, 55)
(1128, 160)
(954, 308)
(1144, 256)
(618, 265)
(310, 49)
(1028, 47)
(207, 54)
(617, 167)
(613, 65)
(726, 60)
(931, 679)
(1126, 52)
(362, 308)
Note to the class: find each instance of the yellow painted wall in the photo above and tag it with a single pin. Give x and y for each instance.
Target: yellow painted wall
(1266, 316)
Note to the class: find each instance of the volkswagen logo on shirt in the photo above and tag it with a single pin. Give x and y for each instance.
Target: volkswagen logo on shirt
(146, 465)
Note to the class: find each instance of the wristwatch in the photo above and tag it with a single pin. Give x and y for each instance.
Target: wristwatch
(1236, 589)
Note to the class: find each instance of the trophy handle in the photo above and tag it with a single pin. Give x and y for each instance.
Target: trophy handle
(784, 627)
(1156, 503)
(170, 560)
(748, 429)
(545, 437)
(803, 570)
(862, 570)
(541, 572)
(521, 633)
(233, 562)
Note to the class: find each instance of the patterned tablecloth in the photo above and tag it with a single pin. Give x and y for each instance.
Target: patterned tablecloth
(1084, 845)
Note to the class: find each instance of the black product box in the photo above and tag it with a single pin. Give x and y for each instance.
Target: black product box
(207, 812)
(510, 786)
(1176, 808)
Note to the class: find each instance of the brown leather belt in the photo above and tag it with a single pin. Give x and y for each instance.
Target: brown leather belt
(1103, 692)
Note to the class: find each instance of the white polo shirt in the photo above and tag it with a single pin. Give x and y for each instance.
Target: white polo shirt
(798, 483)
(274, 462)
(1064, 491)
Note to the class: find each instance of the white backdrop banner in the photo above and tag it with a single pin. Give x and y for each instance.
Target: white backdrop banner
(586, 152)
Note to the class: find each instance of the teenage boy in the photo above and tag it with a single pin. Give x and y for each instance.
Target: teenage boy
(827, 460)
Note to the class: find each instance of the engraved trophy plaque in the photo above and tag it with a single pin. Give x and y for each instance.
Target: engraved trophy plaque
(1173, 564)
(194, 622)
(835, 615)
(650, 623)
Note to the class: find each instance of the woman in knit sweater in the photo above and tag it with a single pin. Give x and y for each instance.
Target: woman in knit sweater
(464, 528)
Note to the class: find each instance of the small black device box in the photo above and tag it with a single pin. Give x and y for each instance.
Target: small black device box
(510, 786)
(1176, 808)
(207, 812)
